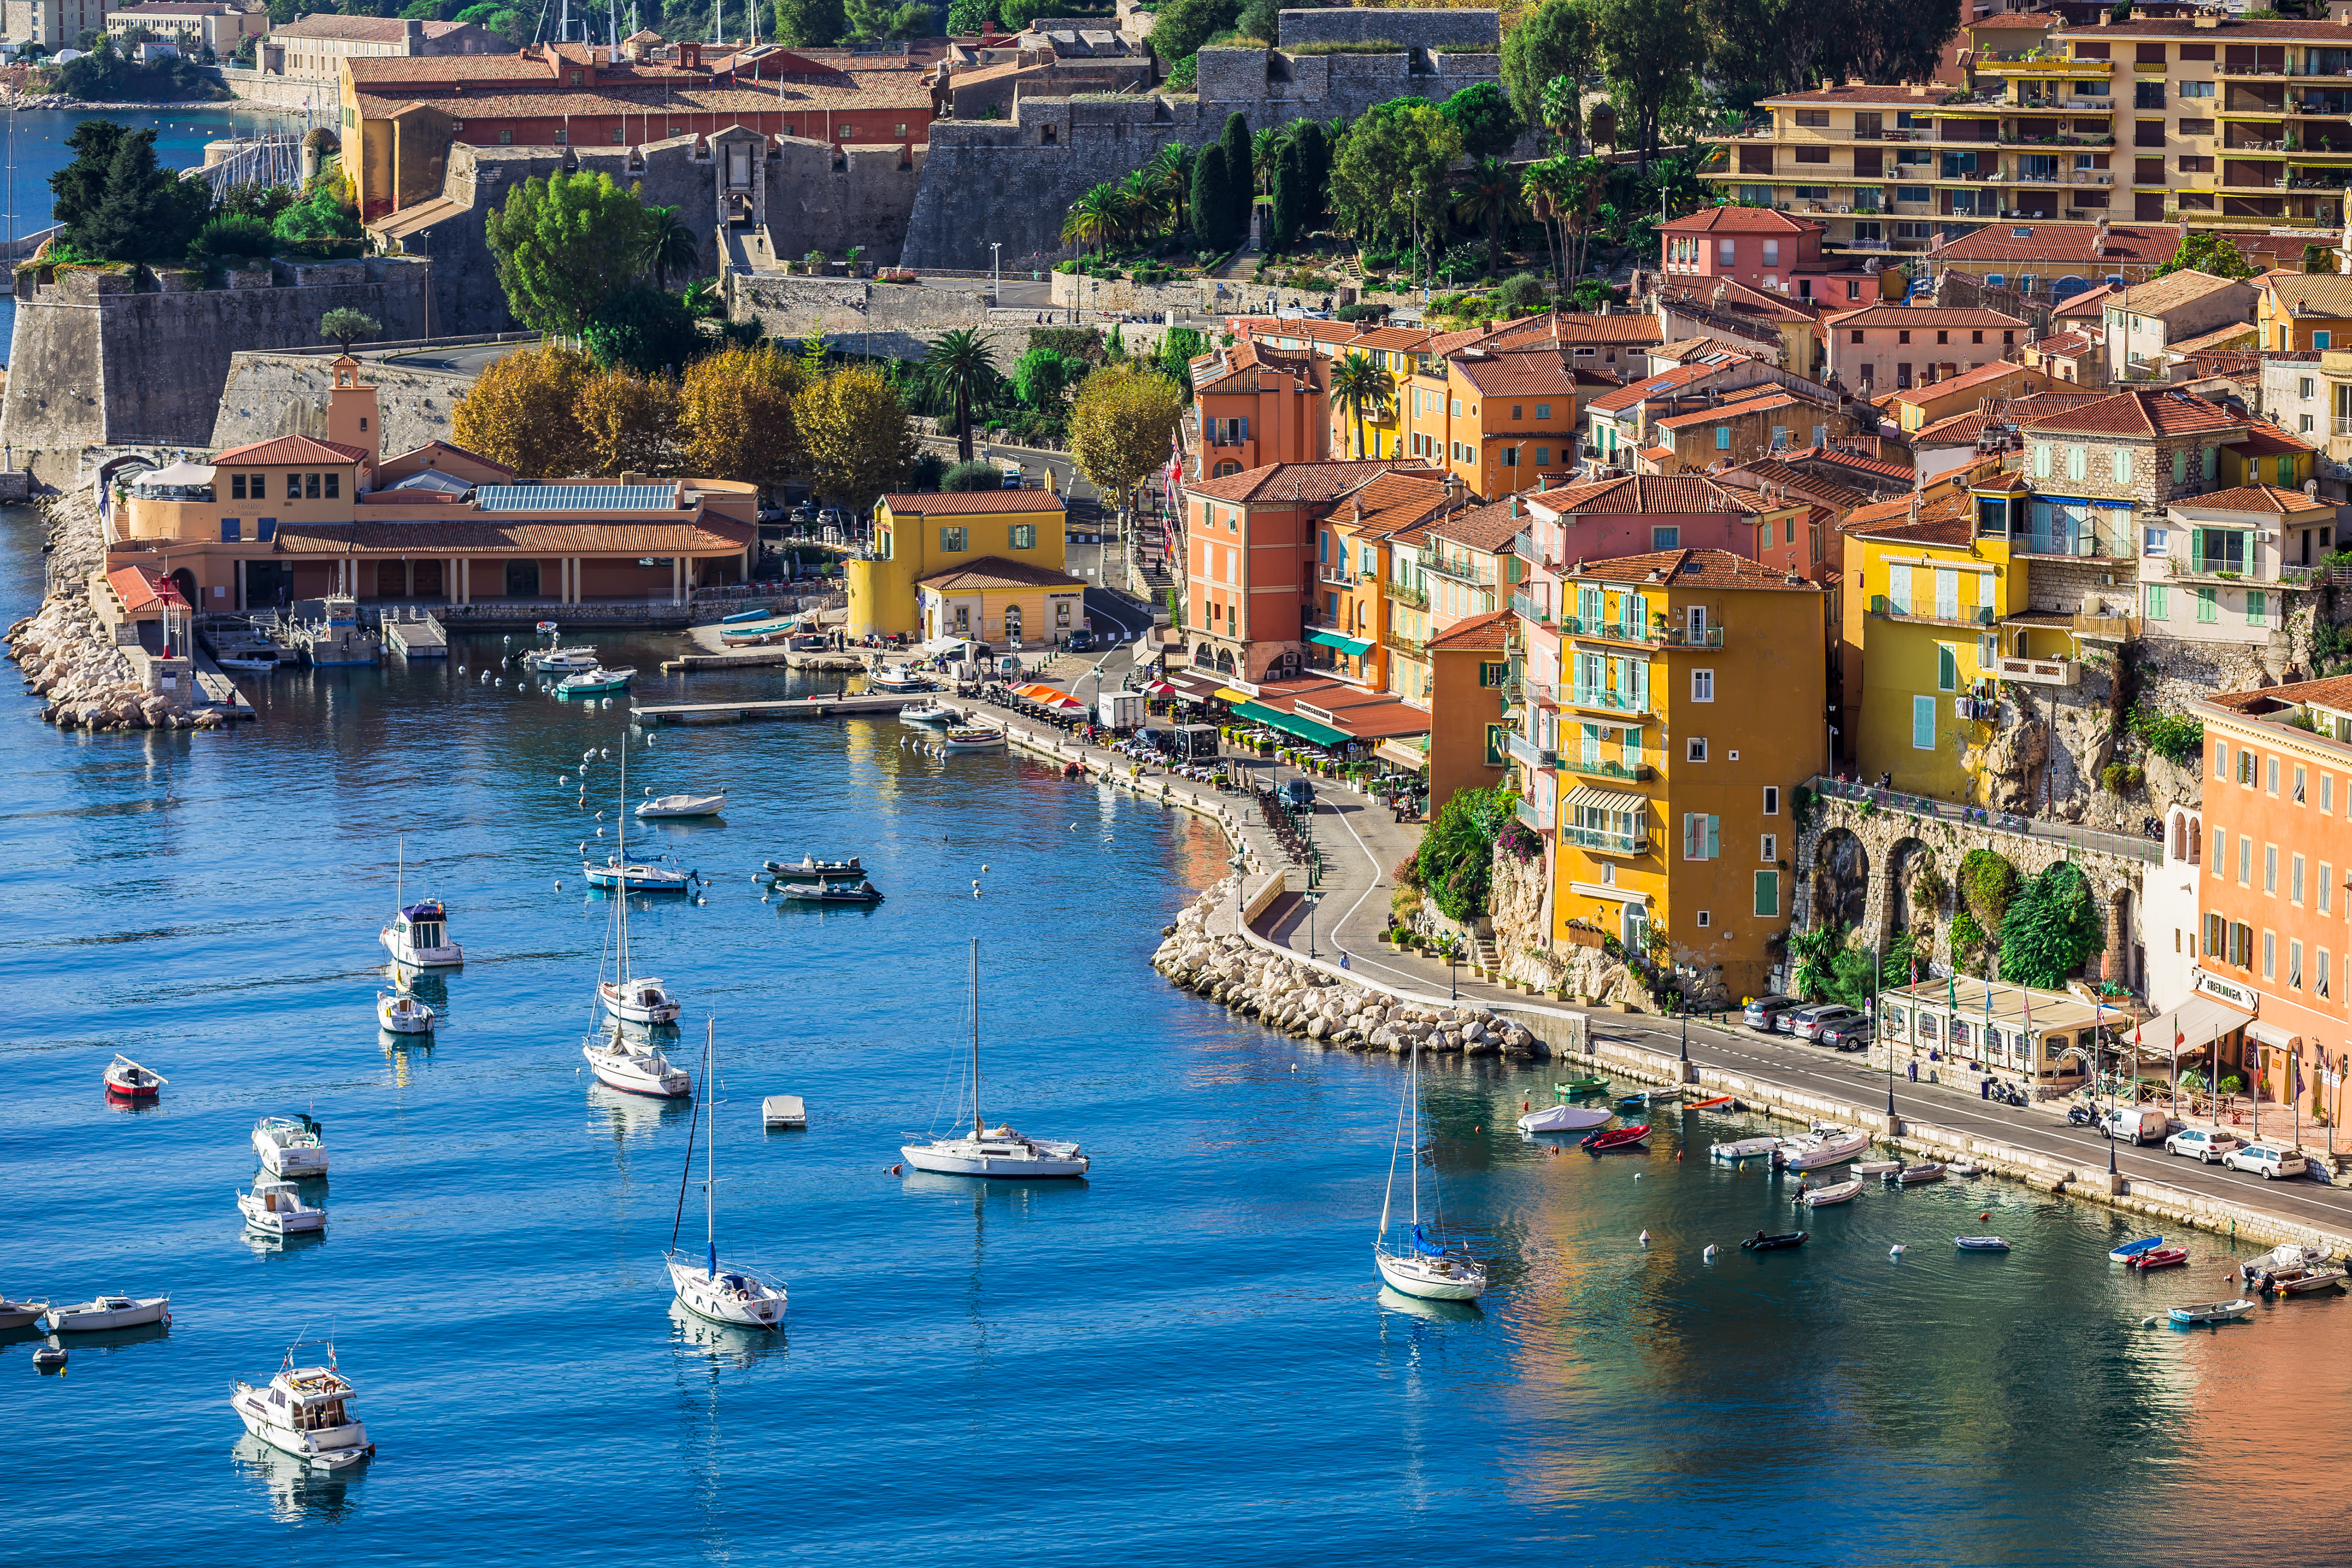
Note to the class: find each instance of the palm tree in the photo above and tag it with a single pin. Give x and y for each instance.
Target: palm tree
(959, 370)
(1493, 197)
(1095, 218)
(1359, 386)
(1146, 201)
(1263, 148)
(669, 246)
(1561, 107)
(1171, 169)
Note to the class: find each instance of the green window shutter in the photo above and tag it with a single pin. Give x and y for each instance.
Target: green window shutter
(1768, 893)
(1947, 668)
(1923, 724)
(1714, 841)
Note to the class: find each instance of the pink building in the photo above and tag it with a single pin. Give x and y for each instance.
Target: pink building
(1759, 247)
(1886, 346)
(1608, 519)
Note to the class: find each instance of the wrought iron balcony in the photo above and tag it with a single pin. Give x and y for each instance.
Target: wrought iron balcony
(1337, 576)
(1527, 608)
(1940, 616)
(1530, 754)
(1459, 571)
(1603, 842)
(1412, 593)
(1607, 699)
(1635, 773)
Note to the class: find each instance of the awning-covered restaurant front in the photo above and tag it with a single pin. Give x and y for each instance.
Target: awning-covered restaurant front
(1312, 730)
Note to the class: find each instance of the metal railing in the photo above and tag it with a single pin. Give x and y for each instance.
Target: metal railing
(1412, 648)
(1337, 576)
(2087, 838)
(1608, 699)
(1606, 842)
(1636, 773)
(1527, 608)
(1412, 593)
(1886, 609)
(1459, 571)
(1528, 753)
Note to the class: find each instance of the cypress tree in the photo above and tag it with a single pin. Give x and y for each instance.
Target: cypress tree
(1240, 171)
(1286, 221)
(1314, 171)
(1212, 200)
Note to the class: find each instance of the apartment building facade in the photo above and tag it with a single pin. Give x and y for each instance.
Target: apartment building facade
(1887, 345)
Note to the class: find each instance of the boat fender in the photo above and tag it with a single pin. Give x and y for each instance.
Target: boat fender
(1637, 1175)
(1984, 1216)
(898, 1170)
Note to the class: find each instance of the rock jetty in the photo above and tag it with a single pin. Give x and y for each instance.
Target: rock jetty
(1308, 1004)
(88, 682)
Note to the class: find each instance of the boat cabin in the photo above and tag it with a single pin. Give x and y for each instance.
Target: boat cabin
(423, 925)
(1966, 1025)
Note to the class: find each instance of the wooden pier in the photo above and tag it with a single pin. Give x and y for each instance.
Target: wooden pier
(862, 703)
(419, 638)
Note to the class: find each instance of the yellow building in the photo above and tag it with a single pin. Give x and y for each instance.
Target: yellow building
(1007, 604)
(918, 536)
(2303, 310)
(1689, 705)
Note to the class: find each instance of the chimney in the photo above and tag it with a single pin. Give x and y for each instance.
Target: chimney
(412, 37)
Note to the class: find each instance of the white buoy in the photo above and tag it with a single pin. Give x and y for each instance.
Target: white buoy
(1645, 1238)
(1709, 1253)
(600, 833)
(1293, 1066)
(559, 886)
(1896, 1251)
(1637, 1175)
(606, 751)
(564, 778)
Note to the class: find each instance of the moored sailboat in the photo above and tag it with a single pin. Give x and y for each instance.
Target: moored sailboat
(993, 1152)
(732, 1295)
(1424, 1266)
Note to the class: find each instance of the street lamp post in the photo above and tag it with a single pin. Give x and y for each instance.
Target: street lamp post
(1311, 899)
(2114, 1088)
(1877, 1010)
(1240, 863)
(996, 274)
(1454, 969)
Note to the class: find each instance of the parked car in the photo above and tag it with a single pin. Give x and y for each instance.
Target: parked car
(2267, 1162)
(2135, 1123)
(1298, 794)
(1807, 1023)
(1763, 1014)
(1015, 476)
(1852, 1035)
(2205, 1145)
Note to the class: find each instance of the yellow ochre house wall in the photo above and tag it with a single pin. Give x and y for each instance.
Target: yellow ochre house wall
(1903, 656)
(882, 599)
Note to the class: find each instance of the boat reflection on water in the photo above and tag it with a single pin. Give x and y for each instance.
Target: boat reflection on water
(722, 1344)
(982, 1189)
(109, 1341)
(297, 1494)
(632, 1118)
(406, 1054)
(264, 1245)
(129, 1106)
(1396, 1300)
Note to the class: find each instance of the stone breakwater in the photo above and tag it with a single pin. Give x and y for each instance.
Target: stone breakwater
(1308, 1004)
(89, 683)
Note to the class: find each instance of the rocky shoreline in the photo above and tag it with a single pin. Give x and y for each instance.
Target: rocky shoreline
(1308, 1003)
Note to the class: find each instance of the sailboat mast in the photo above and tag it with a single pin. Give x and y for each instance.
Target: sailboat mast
(977, 1123)
(621, 878)
(710, 1146)
(1416, 1140)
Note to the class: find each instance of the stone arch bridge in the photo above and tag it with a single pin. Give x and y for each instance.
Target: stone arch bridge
(1861, 849)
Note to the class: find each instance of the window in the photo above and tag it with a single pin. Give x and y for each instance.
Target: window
(1492, 673)
(2298, 784)
(2295, 880)
(1768, 893)
(1024, 536)
(505, 136)
(2155, 540)
(1695, 749)
(952, 539)
(2269, 955)
(2321, 339)
(1704, 918)
(1773, 249)
(2041, 462)
(2195, 89)
(2160, 602)
(2269, 869)
(1771, 800)
(293, 486)
(1726, 253)
(2122, 467)
(1543, 410)
(1497, 737)
(2242, 944)
(2319, 967)
(2257, 607)
(1903, 336)
(2245, 861)
(2208, 605)
(616, 136)
(2077, 462)
(1723, 437)
(2216, 935)
(2269, 775)
(2246, 766)
(1947, 668)
(1543, 456)
(334, 486)
(2327, 793)
(237, 488)
(1700, 836)
(1702, 685)
(2180, 467)
(1923, 724)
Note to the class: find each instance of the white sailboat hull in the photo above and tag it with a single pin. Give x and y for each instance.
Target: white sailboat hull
(403, 1014)
(1432, 1278)
(975, 1157)
(641, 1001)
(637, 1075)
(735, 1299)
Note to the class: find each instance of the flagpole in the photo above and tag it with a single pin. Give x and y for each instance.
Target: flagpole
(2114, 1088)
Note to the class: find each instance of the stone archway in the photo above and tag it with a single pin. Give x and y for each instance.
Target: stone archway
(1905, 860)
(2123, 960)
(1841, 881)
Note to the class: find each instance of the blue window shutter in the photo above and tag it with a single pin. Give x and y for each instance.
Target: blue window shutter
(264, 529)
(231, 530)
(1923, 724)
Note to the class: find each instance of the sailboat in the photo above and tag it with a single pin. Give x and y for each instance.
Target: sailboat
(735, 1296)
(628, 998)
(991, 1152)
(633, 1067)
(419, 935)
(1425, 1267)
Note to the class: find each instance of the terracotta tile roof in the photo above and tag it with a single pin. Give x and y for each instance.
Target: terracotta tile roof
(328, 25)
(1738, 220)
(1247, 379)
(1641, 495)
(2065, 345)
(2172, 291)
(1812, 486)
(371, 69)
(1443, 344)
(1692, 569)
(966, 503)
(2066, 245)
(2264, 440)
(1667, 382)
(1884, 315)
(681, 101)
(1983, 375)
(1484, 633)
(1730, 294)
(2319, 293)
(2045, 20)
(1682, 348)
(292, 449)
(135, 588)
(1532, 374)
(2335, 692)
(2091, 303)
(2141, 413)
(438, 447)
(1393, 502)
(1277, 482)
(1393, 339)
(2231, 31)
(1944, 513)
(2237, 335)
(688, 536)
(2256, 497)
(1487, 529)
(996, 571)
(1579, 326)
(1774, 398)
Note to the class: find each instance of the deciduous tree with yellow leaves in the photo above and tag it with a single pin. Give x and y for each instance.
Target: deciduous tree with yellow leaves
(631, 423)
(736, 412)
(1121, 425)
(860, 440)
(523, 411)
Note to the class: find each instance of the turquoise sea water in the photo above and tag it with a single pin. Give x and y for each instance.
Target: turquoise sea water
(1186, 1357)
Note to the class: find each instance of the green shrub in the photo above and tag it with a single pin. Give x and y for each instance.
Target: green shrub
(1456, 859)
(1968, 937)
(974, 475)
(2172, 736)
(2052, 926)
(2121, 778)
(1988, 882)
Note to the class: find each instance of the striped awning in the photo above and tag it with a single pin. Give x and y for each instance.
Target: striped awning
(1292, 724)
(1605, 800)
(1355, 647)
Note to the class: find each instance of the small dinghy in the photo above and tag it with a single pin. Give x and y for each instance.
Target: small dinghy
(1913, 1175)
(926, 713)
(1979, 1243)
(1618, 1138)
(250, 666)
(596, 681)
(857, 892)
(2157, 1258)
(275, 1208)
(639, 875)
(1761, 1242)
(402, 1014)
(1829, 1148)
(1840, 1192)
(564, 660)
(1582, 1086)
(1719, 1102)
(110, 1312)
(1878, 1167)
(898, 679)
(2211, 1311)
(977, 737)
(2131, 1249)
(1632, 1102)
(128, 1080)
(1564, 1119)
(640, 999)
(760, 613)
(49, 1358)
(2286, 1255)
(1964, 1169)
(684, 805)
(808, 869)
(1745, 1149)
(2309, 1281)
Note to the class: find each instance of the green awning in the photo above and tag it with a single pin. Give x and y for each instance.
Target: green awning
(1292, 724)
(1355, 647)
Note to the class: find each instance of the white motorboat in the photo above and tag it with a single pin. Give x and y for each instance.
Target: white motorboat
(1566, 1119)
(561, 660)
(662, 876)
(275, 1208)
(248, 666)
(729, 1294)
(290, 1146)
(20, 1314)
(1743, 1149)
(402, 1014)
(126, 1078)
(975, 738)
(110, 1312)
(991, 1152)
(926, 713)
(897, 680)
(1424, 1266)
(305, 1412)
(594, 681)
(683, 804)
(418, 934)
(639, 1000)
(634, 1066)
(1838, 1193)
(1829, 1148)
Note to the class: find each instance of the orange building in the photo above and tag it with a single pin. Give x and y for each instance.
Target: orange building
(1469, 740)
(1254, 405)
(2274, 891)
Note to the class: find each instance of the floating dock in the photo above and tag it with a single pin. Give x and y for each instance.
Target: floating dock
(419, 638)
(863, 702)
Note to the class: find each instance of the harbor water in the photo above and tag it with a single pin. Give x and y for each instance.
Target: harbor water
(1186, 1356)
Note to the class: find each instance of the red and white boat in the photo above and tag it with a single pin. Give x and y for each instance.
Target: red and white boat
(2158, 1258)
(1610, 1138)
(130, 1080)
(1717, 1103)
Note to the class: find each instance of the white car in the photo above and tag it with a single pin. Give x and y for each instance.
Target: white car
(2268, 1163)
(2201, 1144)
